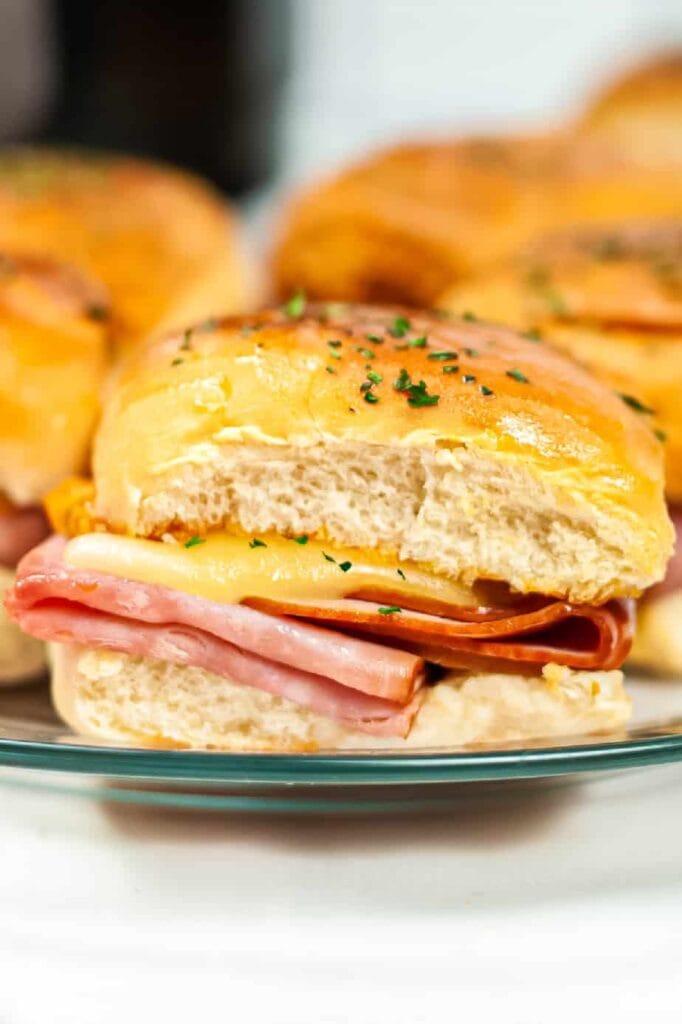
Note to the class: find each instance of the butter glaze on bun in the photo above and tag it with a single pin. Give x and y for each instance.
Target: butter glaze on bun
(53, 358)
(611, 296)
(346, 424)
(164, 242)
(405, 223)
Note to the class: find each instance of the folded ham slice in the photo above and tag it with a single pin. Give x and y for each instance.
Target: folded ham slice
(310, 652)
(20, 530)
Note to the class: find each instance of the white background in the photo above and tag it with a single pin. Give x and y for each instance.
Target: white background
(554, 904)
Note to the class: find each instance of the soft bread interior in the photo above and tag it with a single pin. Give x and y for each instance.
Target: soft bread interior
(658, 639)
(138, 701)
(466, 512)
(22, 658)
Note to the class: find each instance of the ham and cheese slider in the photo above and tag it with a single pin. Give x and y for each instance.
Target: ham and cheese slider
(53, 349)
(404, 224)
(164, 242)
(612, 297)
(336, 526)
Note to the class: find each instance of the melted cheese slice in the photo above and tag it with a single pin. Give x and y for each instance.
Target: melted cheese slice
(227, 569)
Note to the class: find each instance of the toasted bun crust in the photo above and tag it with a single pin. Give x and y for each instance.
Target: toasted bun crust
(53, 358)
(641, 111)
(611, 296)
(164, 243)
(526, 470)
(405, 223)
(153, 703)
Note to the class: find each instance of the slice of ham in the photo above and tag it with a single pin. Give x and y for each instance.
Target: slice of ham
(20, 530)
(48, 591)
(580, 636)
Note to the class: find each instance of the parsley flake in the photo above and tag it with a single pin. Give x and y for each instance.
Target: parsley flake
(471, 352)
(389, 610)
(370, 397)
(634, 403)
(451, 369)
(176, 362)
(255, 543)
(400, 327)
(470, 317)
(334, 343)
(403, 382)
(366, 353)
(401, 574)
(303, 539)
(186, 342)
(420, 397)
(417, 342)
(517, 375)
(345, 566)
(375, 378)
(375, 339)
(660, 435)
(444, 357)
(330, 369)
(486, 390)
(193, 541)
(295, 306)
(468, 378)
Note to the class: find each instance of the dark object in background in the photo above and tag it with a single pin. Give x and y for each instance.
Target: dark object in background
(196, 84)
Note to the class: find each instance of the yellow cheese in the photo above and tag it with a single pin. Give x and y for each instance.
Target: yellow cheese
(228, 569)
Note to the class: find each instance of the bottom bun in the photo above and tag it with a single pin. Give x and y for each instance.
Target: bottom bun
(658, 640)
(154, 703)
(22, 659)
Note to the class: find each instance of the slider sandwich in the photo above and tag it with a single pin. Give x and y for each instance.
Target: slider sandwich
(333, 526)
(611, 296)
(164, 243)
(53, 354)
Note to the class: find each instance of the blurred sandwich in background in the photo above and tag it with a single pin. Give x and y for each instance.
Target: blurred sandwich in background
(610, 296)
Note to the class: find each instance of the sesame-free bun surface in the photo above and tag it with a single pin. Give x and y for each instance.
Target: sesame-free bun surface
(641, 110)
(53, 358)
(526, 469)
(141, 702)
(610, 295)
(405, 223)
(164, 243)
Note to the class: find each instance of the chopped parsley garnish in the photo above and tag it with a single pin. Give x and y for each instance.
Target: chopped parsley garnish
(334, 343)
(97, 312)
(660, 435)
(176, 362)
(451, 369)
(517, 375)
(468, 378)
(334, 355)
(486, 390)
(375, 378)
(389, 610)
(330, 369)
(634, 403)
(400, 327)
(255, 543)
(444, 357)
(532, 335)
(370, 397)
(417, 342)
(401, 574)
(403, 381)
(295, 306)
(419, 396)
(366, 353)
(186, 342)
(470, 317)
(471, 352)
(303, 539)
(343, 566)
(193, 541)
(375, 339)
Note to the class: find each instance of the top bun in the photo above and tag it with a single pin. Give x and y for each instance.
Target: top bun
(641, 111)
(612, 296)
(448, 442)
(53, 357)
(163, 242)
(408, 222)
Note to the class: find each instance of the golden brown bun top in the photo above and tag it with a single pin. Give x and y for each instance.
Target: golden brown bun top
(375, 375)
(405, 223)
(642, 109)
(53, 355)
(150, 233)
(612, 297)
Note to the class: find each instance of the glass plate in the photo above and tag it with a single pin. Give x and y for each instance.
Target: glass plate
(31, 737)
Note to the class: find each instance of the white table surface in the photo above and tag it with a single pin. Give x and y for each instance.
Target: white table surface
(530, 905)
